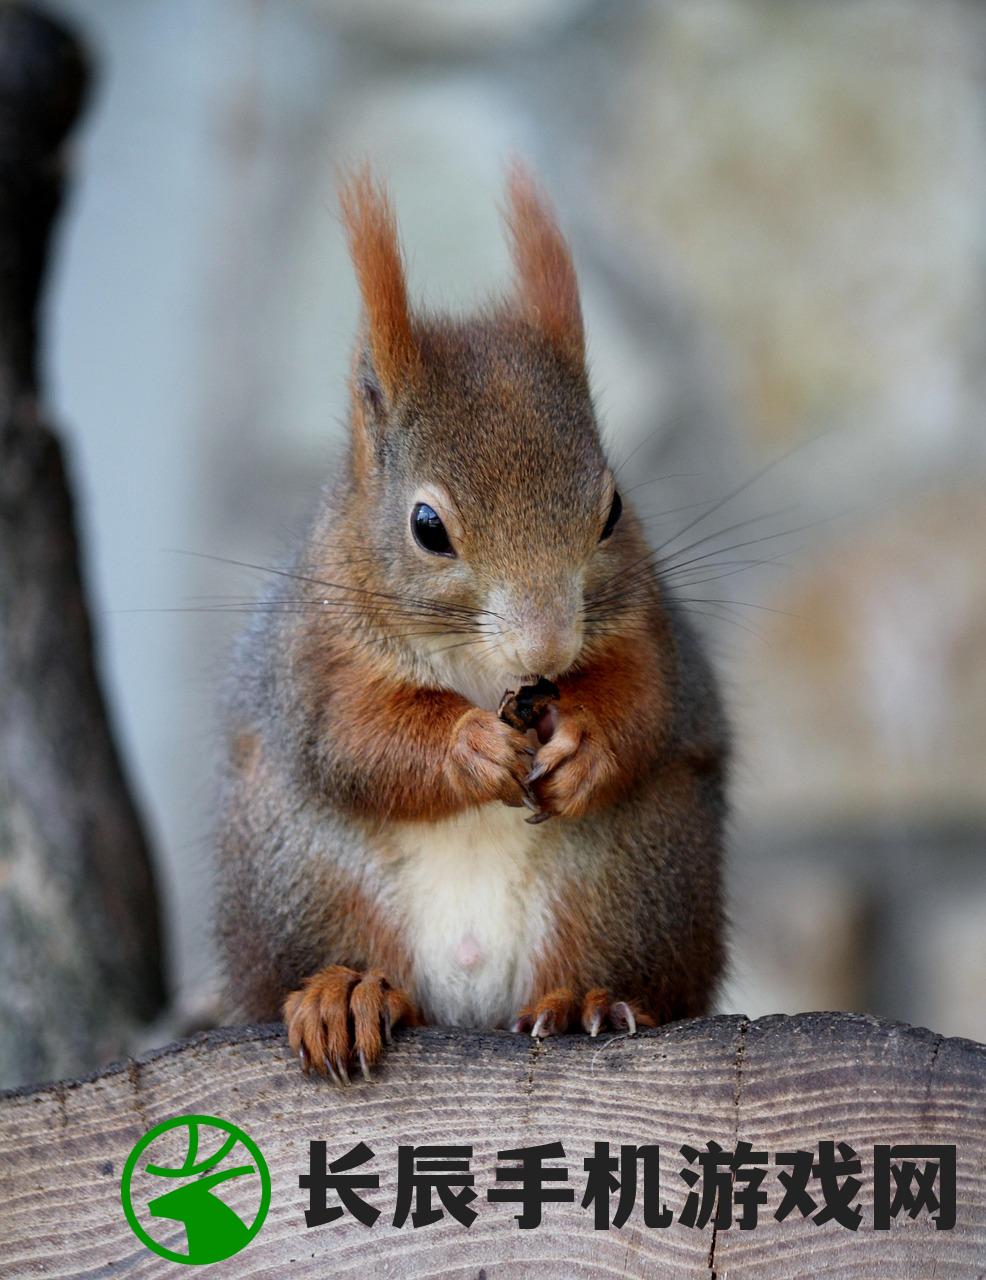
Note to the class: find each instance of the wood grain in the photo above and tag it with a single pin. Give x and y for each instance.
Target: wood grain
(783, 1083)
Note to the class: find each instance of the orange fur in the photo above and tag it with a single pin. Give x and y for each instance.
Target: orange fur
(586, 934)
(375, 248)
(409, 753)
(546, 282)
(361, 937)
(597, 1010)
(339, 1015)
(607, 716)
(551, 1013)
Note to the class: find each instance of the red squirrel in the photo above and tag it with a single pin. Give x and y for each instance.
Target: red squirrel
(377, 860)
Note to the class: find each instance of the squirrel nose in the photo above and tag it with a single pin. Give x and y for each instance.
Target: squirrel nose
(548, 653)
(548, 644)
(543, 626)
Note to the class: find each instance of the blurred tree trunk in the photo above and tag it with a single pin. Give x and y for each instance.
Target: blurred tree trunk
(80, 961)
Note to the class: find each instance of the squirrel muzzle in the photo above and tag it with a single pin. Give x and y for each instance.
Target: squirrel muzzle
(542, 627)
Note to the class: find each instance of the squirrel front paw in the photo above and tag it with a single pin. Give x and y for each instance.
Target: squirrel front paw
(488, 760)
(340, 1017)
(552, 1014)
(573, 767)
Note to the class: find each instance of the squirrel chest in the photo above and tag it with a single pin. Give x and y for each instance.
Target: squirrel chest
(473, 897)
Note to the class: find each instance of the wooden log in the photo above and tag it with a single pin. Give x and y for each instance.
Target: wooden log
(781, 1083)
(80, 960)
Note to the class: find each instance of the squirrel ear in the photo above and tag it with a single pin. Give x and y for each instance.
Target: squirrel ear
(546, 280)
(376, 253)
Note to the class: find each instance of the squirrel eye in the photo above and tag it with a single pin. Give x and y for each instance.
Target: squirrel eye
(429, 532)
(615, 511)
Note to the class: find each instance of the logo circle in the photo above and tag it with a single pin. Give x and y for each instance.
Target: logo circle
(213, 1230)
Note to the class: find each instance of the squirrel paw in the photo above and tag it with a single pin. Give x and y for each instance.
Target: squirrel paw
(571, 767)
(552, 1014)
(489, 760)
(340, 1017)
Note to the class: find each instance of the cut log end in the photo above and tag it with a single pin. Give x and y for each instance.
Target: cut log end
(782, 1083)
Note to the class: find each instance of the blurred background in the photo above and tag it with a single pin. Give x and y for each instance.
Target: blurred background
(778, 211)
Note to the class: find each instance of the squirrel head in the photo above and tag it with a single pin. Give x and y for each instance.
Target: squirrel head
(478, 478)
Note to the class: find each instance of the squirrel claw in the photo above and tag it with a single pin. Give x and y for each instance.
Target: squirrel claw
(575, 767)
(341, 1072)
(529, 799)
(552, 1014)
(548, 1016)
(340, 1018)
(598, 1010)
(622, 1011)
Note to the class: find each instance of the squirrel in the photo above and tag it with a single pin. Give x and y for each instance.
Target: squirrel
(377, 860)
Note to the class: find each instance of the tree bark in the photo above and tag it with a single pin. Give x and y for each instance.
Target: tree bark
(80, 960)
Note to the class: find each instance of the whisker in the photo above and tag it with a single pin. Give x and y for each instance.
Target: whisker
(717, 617)
(669, 425)
(729, 604)
(730, 528)
(414, 635)
(331, 586)
(640, 575)
(645, 565)
(751, 480)
(673, 475)
(669, 511)
(719, 504)
(461, 644)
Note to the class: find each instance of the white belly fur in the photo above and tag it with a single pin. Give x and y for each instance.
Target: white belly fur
(472, 894)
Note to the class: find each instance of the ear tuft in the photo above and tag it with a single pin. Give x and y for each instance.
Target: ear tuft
(371, 229)
(546, 282)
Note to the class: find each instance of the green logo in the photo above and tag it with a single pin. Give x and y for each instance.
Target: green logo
(212, 1228)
